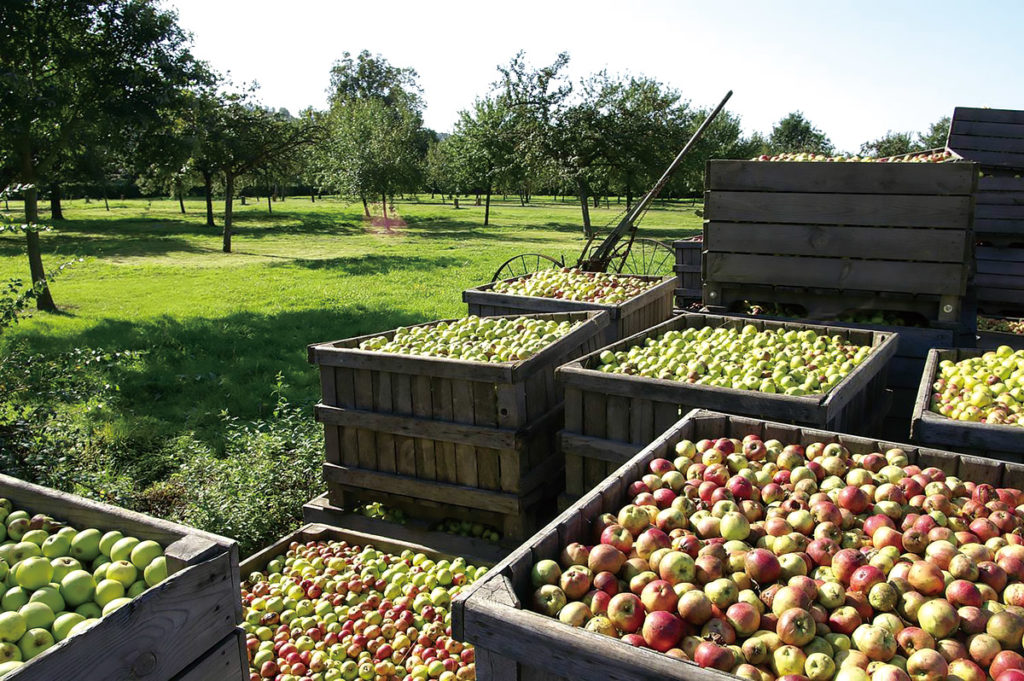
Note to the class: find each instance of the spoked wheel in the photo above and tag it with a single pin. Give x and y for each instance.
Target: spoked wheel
(527, 263)
(643, 256)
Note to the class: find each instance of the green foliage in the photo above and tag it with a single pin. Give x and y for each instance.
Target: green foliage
(794, 133)
(890, 144)
(254, 491)
(935, 136)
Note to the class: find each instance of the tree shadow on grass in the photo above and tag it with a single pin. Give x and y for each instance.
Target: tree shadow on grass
(372, 264)
(193, 369)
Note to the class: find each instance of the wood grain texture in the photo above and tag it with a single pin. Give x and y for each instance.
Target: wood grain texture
(226, 661)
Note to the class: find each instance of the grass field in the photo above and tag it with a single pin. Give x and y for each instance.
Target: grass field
(216, 328)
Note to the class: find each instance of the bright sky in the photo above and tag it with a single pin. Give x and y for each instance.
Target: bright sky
(855, 68)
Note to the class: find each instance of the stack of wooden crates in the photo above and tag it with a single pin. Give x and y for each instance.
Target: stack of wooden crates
(994, 138)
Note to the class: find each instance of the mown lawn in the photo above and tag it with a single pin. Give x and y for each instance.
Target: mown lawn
(216, 328)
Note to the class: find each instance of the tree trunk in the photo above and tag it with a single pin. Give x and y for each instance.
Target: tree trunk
(44, 301)
(455, 200)
(181, 201)
(229, 189)
(270, 208)
(597, 201)
(487, 209)
(56, 213)
(366, 206)
(629, 198)
(384, 207)
(208, 188)
(585, 207)
(312, 197)
(477, 199)
(106, 202)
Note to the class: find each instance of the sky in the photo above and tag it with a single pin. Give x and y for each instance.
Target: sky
(855, 69)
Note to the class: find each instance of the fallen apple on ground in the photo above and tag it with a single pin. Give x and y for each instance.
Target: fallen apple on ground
(804, 562)
(327, 611)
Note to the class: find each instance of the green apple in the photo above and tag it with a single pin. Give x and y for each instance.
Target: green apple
(156, 571)
(37, 615)
(64, 623)
(108, 540)
(56, 546)
(144, 553)
(23, 550)
(49, 594)
(115, 604)
(89, 610)
(77, 587)
(10, 666)
(86, 545)
(83, 625)
(62, 566)
(107, 591)
(122, 548)
(12, 626)
(14, 598)
(37, 537)
(34, 642)
(9, 652)
(122, 571)
(136, 589)
(33, 573)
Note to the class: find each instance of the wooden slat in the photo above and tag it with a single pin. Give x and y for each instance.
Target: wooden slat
(421, 451)
(382, 403)
(462, 495)
(885, 243)
(485, 411)
(349, 444)
(864, 275)
(984, 114)
(897, 210)
(363, 385)
(441, 390)
(462, 410)
(226, 661)
(852, 178)
(967, 144)
(470, 435)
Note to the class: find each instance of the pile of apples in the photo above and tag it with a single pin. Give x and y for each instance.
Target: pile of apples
(1001, 325)
(984, 389)
(327, 611)
(59, 581)
(922, 157)
(478, 339)
(773, 561)
(567, 283)
(774, 361)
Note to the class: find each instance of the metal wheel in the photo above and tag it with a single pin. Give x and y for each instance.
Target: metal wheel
(527, 263)
(643, 256)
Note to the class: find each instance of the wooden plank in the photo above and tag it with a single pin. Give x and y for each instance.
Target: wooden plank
(443, 367)
(967, 144)
(594, 412)
(641, 421)
(986, 114)
(462, 412)
(461, 495)
(226, 661)
(582, 446)
(895, 210)
(362, 382)
(420, 452)
(485, 410)
(382, 403)
(1000, 158)
(411, 426)
(999, 211)
(349, 444)
(864, 275)
(441, 391)
(885, 243)
(855, 178)
(405, 446)
(970, 128)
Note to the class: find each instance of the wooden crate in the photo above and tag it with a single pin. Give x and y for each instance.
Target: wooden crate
(316, 532)
(447, 434)
(687, 268)
(624, 319)
(990, 340)
(997, 442)
(513, 643)
(165, 629)
(227, 660)
(415, 531)
(609, 417)
(991, 137)
(999, 207)
(835, 237)
(999, 282)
